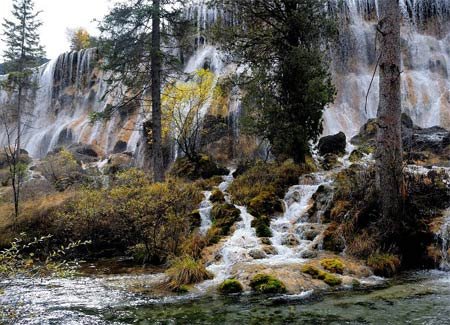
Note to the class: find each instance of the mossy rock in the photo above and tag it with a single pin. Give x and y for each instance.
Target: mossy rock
(224, 216)
(203, 167)
(384, 264)
(264, 283)
(217, 196)
(315, 273)
(332, 239)
(334, 265)
(266, 203)
(195, 219)
(261, 225)
(230, 286)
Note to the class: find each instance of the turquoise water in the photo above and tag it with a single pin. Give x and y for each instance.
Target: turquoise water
(415, 298)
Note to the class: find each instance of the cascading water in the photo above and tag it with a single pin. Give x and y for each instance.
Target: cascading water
(426, 64)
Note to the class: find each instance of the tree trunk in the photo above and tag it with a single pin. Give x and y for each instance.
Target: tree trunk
(389, 155)
(156, 66)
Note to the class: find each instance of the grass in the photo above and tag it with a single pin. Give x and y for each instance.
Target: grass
(384, 264)
(186, 270)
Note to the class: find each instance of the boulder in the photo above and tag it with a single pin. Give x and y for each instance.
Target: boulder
(85, 153)
(333, 144)
(257, 254)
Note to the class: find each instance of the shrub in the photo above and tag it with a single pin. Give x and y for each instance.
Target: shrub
(203, 168)
(330, 279)
(264, 283)
(217, 196)
(186, 270)
(311, 270)
(265, 203)
(333, 265)
(224, 216)
(230, 286)
(384, 264)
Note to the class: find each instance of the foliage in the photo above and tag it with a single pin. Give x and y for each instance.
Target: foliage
(224, 216)
(230, 286)
(384, 264)
(217, 196)
(61, 169)
(79, 39)
(282, 43)
(30, 258)
(333, 265)
(183, 107)
(264, 283)
(203, 167)
(266, 177)
(186, 270)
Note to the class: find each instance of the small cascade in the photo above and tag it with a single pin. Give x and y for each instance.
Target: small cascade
(205, 213)
(290, 237)
(443, 237)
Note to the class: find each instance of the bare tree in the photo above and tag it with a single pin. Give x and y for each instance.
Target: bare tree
(389, 154)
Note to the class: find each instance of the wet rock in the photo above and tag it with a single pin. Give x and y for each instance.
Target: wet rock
(224, 216)
(85, 153)
(118, 162)
(257, 254)
(323, 199)
(333, 144)
(266, 241)
(269, 250)
(290, 240)
(308, 254)
(330, 161)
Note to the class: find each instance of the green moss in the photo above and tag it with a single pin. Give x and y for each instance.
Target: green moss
(264, 283)
(217, 196)
(384, 264)
(263, 231)
(331, 279)
(315, 273)
(311, 270)
(230, 286)
(266, 203)
(333, 265)
(224, 216)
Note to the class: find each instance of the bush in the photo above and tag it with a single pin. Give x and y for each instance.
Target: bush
(224, 216)
(217, 196)
(265, 203)
(333, 265)
(186, 270)
(203, 168)
(264, 283)
(384, 264)
(230, 286)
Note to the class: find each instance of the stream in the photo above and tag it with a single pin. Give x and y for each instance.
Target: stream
(413, 298)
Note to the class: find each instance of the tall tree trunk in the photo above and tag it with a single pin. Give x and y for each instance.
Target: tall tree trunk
(389, 154)
(158, 164)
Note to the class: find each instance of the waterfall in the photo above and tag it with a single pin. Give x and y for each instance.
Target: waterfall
(72, 86)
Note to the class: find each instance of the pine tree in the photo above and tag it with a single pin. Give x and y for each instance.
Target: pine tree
(131, 40)
(283, 42)
(23, 52)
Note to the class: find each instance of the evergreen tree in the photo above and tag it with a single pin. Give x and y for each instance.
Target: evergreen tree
(23, 52)
(132, 35)
(283, 42)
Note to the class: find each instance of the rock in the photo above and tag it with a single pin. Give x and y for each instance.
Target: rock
(330, 161)
(203, 168)
(266, 241)
(120, 146)
(308, 254)
(224, 216)
(333, 144)
(85, 153)
(257, 254)
(118, 162)
(217, 196)
(269, 249)
(290, 240)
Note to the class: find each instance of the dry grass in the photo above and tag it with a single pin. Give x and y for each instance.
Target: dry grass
(186, 270)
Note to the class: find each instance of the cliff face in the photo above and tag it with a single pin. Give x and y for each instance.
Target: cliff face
(71, 87)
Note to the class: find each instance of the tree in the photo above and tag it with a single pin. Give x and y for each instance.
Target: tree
(389, 153)
(79, 39)
(283, 43)
(183, 103)
(23, 52)
(131, 44)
